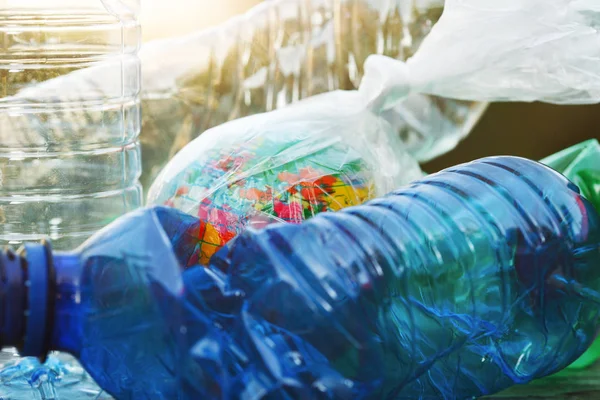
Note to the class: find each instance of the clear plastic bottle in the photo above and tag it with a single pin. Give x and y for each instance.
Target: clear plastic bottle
(63, 177)
(69, 153)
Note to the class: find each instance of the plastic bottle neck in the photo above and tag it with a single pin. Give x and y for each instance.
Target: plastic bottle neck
(27, 293)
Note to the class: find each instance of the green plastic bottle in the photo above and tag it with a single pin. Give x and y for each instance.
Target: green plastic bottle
(581, 164)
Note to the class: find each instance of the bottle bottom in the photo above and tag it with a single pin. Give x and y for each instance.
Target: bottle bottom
(60, 377)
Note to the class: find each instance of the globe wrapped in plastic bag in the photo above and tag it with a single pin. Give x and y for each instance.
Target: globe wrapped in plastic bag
(283, 166)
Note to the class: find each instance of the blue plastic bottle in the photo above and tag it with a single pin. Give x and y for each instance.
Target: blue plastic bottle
(474, 279)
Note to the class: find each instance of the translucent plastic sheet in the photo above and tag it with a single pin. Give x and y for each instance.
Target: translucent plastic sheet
(278, 53)
(535, 50)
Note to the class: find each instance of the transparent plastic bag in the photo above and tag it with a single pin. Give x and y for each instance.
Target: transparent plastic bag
(237, 174)
(514, 50)
(319, 155)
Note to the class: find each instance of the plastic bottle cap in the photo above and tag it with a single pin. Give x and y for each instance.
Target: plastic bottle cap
(11, 294)
(37, 306)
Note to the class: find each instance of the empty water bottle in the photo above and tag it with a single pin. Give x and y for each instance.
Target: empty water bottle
(61, 177)
(459, 285)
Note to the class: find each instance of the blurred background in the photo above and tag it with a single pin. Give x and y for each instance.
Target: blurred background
(528, 130)
(164, 18)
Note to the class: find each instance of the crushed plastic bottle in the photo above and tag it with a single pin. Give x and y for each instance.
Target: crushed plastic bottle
(60, 377)
(462, 284)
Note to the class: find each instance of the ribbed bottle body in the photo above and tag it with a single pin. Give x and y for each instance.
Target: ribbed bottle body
(460, 285)
(69, 155)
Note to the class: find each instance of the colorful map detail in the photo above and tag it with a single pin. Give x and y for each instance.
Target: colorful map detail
(259, 184)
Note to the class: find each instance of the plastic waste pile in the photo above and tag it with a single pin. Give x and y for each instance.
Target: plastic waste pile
(309, 269)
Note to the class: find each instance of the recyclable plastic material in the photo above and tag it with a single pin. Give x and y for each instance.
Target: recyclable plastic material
(459, 285)
(286, 166)
(581, 164)
(69, 153)
(276, 54)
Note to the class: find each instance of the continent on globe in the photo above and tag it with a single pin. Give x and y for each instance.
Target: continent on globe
(231, 193)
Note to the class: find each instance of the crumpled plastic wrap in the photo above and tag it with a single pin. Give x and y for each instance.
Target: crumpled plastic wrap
(276, 54)
(237, 174)
(514, 50)
(283, 51)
